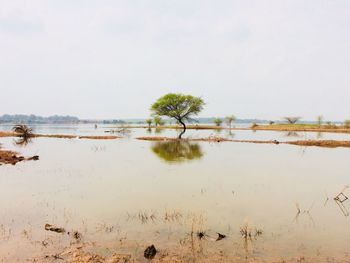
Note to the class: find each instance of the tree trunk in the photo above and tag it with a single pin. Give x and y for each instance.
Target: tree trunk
(184, 130)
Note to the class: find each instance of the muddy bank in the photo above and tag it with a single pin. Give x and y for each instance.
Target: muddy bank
(319, 143)
(7, 134)
(64, 136)
(301, 128)
(10, 157)
(209, 139)
(100, 137)
(281, 127)
(60, 136)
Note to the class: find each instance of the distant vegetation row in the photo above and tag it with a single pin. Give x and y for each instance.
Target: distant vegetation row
(34, 119)
(55, 119)
(229, 120)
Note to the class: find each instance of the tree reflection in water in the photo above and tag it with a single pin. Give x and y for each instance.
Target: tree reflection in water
(177, 151)
(22, 141)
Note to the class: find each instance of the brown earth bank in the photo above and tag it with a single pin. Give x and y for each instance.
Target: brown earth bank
(60, 136)
(7, 134)
(319, 143)
(277, 127)
(10, 157)
(65, 136)
(79, 253)
(301, 128)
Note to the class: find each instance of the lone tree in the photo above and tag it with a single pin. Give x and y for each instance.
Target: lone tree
(149, 122)
(179, 107)
(230, 119)
(158, 121)
(319, 120)
(218, 121)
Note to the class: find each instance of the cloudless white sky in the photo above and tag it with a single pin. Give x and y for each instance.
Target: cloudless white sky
(112, 59)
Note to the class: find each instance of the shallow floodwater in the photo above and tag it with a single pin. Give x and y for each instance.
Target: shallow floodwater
(123, 195)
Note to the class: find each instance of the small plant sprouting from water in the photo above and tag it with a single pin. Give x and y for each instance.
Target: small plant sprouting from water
(173, 216)
(248, 232)
(254, 125)
(306, 212)
(149, 122)
(143, 216)
(230, 119)
(218, 122)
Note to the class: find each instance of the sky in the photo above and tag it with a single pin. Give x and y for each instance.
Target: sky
(112, 59)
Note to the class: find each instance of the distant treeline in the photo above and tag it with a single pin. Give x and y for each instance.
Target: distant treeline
(34, 119)
(55, 119)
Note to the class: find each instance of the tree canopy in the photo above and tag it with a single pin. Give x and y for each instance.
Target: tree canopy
(179, 107)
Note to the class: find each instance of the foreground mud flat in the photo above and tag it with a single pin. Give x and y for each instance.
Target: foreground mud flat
(62, 245)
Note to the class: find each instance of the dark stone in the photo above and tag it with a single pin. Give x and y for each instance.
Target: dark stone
(150, 252)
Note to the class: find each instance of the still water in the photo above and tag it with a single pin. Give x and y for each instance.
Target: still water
(123, 195)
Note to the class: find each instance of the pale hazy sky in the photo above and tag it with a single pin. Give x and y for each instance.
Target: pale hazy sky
(112, 59)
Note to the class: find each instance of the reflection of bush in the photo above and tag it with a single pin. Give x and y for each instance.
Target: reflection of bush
(23, 141)
(158, 131)
(177, 151)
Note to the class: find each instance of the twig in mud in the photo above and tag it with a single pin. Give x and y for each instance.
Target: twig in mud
(327, 199)
(341, 197)
(56, 256)
(299, 212)
(342, 208)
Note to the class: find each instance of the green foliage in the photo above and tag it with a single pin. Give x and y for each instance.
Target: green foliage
(177, 151)
(179, 107)
(230, 119)
(218, 121)
(149, 122)
(158, 121)
(319, 120)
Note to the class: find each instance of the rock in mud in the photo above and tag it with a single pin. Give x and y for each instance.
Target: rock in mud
(49, 227)
(76, 235)
(34, 158)
(150, 252)
(220, 236)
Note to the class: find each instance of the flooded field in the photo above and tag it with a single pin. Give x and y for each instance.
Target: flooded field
(272, 203)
